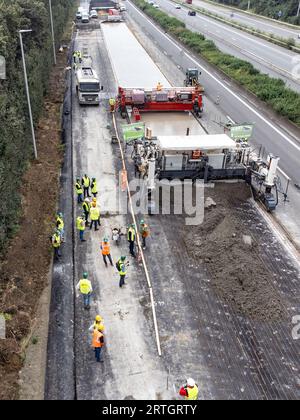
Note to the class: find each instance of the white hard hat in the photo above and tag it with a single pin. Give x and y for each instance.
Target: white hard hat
(191, 382)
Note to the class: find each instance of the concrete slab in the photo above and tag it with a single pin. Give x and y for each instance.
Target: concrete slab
(132, 66)
(172, 123)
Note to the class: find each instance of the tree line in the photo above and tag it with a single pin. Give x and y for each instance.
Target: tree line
(285, 10)
(15, 136)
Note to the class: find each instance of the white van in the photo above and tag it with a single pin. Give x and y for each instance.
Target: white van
(85, 17)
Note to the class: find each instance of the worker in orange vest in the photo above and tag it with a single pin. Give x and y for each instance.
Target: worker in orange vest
(144, 231)
(159, 86)
(98, 343)
(105, 248)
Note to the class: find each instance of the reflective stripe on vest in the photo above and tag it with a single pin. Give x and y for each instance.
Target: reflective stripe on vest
(78, 188)
(96, 339)
(85, 286)
(80, 223)
(86, 181)
(105, 248)
(132, 231)
(192, 393)
(60, 223)
(122, 270)
(56, 240)
(86, 207)
(94, 187)
(95, 213)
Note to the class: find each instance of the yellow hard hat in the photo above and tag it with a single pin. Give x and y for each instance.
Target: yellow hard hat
(98, 318)
(101, 327)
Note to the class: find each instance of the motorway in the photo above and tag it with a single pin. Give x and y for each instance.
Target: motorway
(253, 21)
(265, 56)
(278, 138)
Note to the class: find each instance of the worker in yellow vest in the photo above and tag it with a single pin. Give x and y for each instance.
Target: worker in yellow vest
(79, 191)
(95, 216)
(60, 225)
(121, 267)
(105, 248)
(56, 243)
(159, 86)
(94, 188)
(98, 323)
(80, 224)
(97, 344)
(112, 104)
(85, 287)
(131, 234)
(86, 206)
(190, 390)
(86, 183)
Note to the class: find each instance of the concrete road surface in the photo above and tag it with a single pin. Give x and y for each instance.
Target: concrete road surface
(265, 56)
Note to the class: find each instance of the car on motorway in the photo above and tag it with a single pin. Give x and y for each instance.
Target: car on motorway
(177, 6)
(93, 14)
(191, 13)
(85, 17)
(78, 15)
(156, 6)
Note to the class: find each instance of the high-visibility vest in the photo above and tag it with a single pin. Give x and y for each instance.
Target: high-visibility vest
(132, 231)
(85, 286)
(56, 240)
(59, 223)
(86, 181)
(112, 101)
(80, 223)
(78, 188)
(86, 207)
(96, 339)
(122, 268)
(105, 248)
(94, 187)
(145, 231)
(95, 213)
(192, 393)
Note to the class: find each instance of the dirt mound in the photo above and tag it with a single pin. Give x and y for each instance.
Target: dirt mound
(231, 255)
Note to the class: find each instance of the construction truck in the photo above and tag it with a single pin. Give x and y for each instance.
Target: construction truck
(192, 78)
(114, 15)
(189, 1)
(87, 86)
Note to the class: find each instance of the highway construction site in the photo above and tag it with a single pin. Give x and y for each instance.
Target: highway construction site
(214, 301)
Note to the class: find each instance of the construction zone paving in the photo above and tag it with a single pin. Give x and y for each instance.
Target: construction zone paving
(225, 291)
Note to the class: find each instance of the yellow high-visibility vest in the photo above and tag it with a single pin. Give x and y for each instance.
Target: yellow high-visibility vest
(85, 286)
(95, 213)
(80, 223)
(192, 393)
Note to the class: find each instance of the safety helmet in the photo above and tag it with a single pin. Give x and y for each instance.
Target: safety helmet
(142, 222)
(98, 318)
(85, 275)
(105, 239)
(123, 258)
(60, 214)
(87, 200)
(93, 179)
(57, 232)
(190, 382)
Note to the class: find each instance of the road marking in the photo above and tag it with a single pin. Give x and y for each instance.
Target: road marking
(273, 127)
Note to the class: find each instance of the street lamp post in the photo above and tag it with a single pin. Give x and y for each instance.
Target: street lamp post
(27, 90)
(298, 11)
(249, 1)
(52, 30)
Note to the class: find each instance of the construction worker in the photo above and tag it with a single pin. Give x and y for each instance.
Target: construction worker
(80, 224)
(86, 183)
(86, 208)
(97, 344)
(85, 287)
(131, 238)
(95, 216)
(121, 267)
(159, 86)
(98, 323)
(79, 191)
(56, 243)
(144, 231)
(105, 248)
(60, 225)
(112, 104)
(94, 188)
(190, 390)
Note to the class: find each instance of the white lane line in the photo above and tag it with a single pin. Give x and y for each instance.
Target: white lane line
(237, 97)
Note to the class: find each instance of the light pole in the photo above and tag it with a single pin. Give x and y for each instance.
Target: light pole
(52, 30)
(27, 89)
(249, 1)
(298, 11)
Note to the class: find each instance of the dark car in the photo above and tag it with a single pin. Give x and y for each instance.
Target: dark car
(191, 13)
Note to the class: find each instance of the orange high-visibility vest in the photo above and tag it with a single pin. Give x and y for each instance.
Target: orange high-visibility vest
(105, 248)
(96, 339)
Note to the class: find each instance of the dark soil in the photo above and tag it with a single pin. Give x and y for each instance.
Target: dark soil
(231, 254)
(24, 271)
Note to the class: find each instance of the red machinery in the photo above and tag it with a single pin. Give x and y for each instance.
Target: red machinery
(161, 99)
